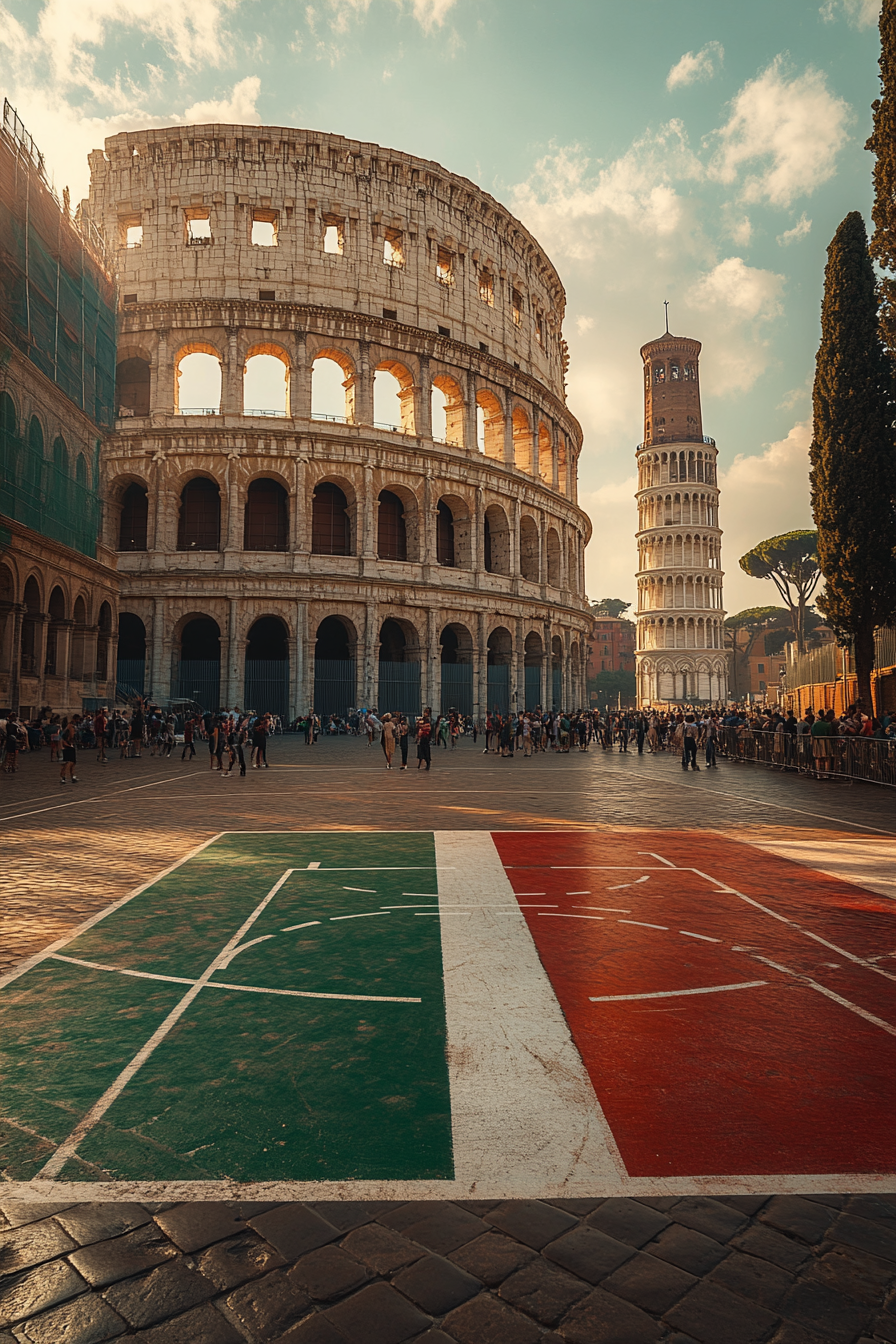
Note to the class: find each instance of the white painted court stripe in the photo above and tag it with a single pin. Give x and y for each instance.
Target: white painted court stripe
(521, 1100)
(703, 936)
(674, 993)
(98, 1110)
(311, 994)
(121, 970)
(829, 994)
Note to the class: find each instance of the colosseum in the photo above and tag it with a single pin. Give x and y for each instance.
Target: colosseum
(417, 541)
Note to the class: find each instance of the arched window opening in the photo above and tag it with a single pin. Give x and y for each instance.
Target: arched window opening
(330, 533)
(533, 658)
(266, 687)
(489, 425)
(199, 672)
(197, 383)
(553, 548)
(522, 440)
(266, 383)
(445, 535)
(447, 411)
(529, 548)
(132, 382)
(332, 643)
(56, 610)
(391, 531)
(131, 670)
(393, 644)
(103, 641)
(393, 398)
(266, 524)
(448, 644)
(81, 472)
(133, 522)
(496, 541)
(499, 654)
(556, 672)
(334, 667)
(199, 526)
(35, 435)
(545, 455)
(77, 654)
(399, 668)
(332, 390)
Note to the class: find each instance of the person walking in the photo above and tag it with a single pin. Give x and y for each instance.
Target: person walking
(101, 729)
(403, 740)
(690, 735)
(388, 739)
(189, 730)
(424, 742)
(69, 750)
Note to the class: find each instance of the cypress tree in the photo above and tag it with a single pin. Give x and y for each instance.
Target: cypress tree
(882, 143)
(852, 453)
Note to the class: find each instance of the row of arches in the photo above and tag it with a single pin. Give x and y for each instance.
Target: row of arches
(49, 631)
(680, 550)
(386, 394)
(454, 537)
(670, 509)
(667, 468)
(663, 681)
(658, 594)
(678, 633)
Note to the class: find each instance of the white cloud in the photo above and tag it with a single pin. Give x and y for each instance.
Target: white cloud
(789, 129)
(612, 558)
(858, 13)
(584, 324)
(799, 231)
(743, 291)
(702, 64)
(239, 109)
(430, 13)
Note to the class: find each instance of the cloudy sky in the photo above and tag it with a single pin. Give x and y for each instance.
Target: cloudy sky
(700, 152)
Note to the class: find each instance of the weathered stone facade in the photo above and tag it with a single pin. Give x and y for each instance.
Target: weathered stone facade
(681, 654)
(471, 545)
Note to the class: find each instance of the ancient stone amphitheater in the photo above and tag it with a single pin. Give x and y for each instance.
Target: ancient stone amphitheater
(416, 541)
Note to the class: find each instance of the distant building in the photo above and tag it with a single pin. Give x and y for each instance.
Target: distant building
(611, 646)
(681, 656)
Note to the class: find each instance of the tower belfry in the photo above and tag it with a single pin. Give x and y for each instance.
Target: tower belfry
(681, 656)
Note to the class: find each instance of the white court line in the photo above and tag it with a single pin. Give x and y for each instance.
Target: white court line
(291, 928)
(675, 993)
(366, 915)
(368, 891)
(70, 1146)
(828, 993)
(549, 914)
(121, 970)
(704, 936)
(648, 853)
(641, 925)
(245, 946)
(96, 798)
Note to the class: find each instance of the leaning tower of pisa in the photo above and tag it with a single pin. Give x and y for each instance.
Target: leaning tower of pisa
(681, 656)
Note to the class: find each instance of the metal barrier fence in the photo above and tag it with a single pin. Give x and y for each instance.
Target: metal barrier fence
(867, 758)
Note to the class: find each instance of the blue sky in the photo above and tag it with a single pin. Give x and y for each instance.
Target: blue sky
(696, 151)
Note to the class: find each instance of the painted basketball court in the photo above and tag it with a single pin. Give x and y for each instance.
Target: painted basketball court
(438, 1014)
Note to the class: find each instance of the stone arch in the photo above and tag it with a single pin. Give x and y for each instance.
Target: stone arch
(500, 647)
(331, 518)
(199, 517)
(385, 413)
(133, 517)
(336, 639)
(399, 640)
(266, 385)
(489, 425)
(454, 532)
(266, 515)
(496, 541)
(530, 548)
(391, 527)
(326, 385)
(199, 393)
(266, 671)
(522, 440)
(552, 546)
(545, 454)
(133, 380)
(198, 639)
(447, 409)
(456, 644)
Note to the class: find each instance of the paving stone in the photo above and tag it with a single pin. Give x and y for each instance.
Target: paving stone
(35, 1290)
(662, 1203)
(229, 1263)
(710, 1217)
(328, 1272)
(820, 1308)
(803, 1218)
(589, 1253)
(649, 1283)
(26, 1246)
(531, 1221)
(202, 1325)
(711, 1314)
(832, 1201)
(313, 1330)
(294, 1229)
(350, 1213)
(628, 1220)
(579, 1207)
(790, 1333)
(87, 1320)
(436, 1285)
(439, 1337)
(865, 1236)
(108, 1261)
(87, 1223)
(485, 1320)
(752, 1278)
(748, 1204)
(18, 1213)
(194, 1226)
(543, 1291)
(492, 1257)
(244, 1208)
(478, 1206)
(167, 1291)
(439, 1226)
(377, 1315)
(874, 1207)
(381, 1249)
(267, 1307)
(604, 1319)
(884, 1327)
(771, 1245)
(687, 1249)
(853, 1272)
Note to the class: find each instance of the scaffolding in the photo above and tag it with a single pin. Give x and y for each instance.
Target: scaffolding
(57, 308)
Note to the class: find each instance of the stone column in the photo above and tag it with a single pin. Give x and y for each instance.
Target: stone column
(162, 386)
(233, 660)
(470, 416)
(433, 692)
(299, 695)
(363, 386)
(232, 376)
(369, 671)
(508, 432)
(428, 516)
(300, 380)
(160, 666)
(518, 667)
(367, 512)
(547, 677)
(477, 547)
(481, 705)
(536, 424)
(88, 652)
(299, 512)
(234, 507)
(42, 626)
(423, 401)
(514, 522)
(555, 457)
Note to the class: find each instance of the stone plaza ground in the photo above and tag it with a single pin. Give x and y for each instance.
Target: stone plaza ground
(571, 1048)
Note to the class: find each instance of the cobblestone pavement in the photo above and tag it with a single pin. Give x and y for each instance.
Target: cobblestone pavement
(782, 1269)
(739, 1270)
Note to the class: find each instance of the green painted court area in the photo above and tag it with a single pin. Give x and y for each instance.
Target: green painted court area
(315, 1052)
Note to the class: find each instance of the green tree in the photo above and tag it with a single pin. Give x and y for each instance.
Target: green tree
(852, 452)
(791, 562)
(882, 143)
(609, 606)
(741, 633)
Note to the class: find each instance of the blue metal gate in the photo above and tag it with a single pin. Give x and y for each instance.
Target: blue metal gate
(266, 687)
(334, 686)
(200, 680)
(457, 688)
(499, 688)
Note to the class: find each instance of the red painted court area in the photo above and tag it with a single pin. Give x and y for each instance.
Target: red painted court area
(793, 1075)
